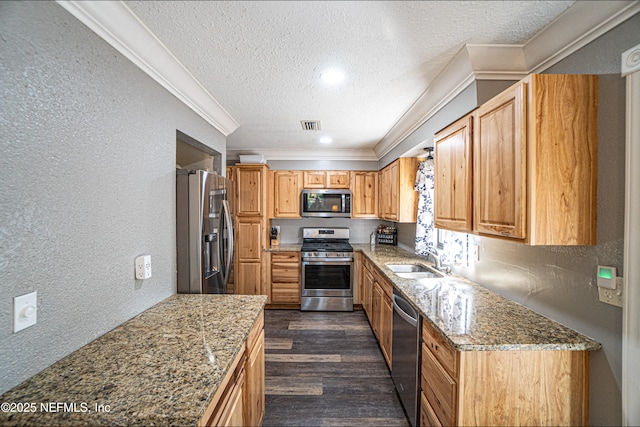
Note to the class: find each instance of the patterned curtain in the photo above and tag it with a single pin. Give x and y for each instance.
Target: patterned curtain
(455, 245)
(425, 232)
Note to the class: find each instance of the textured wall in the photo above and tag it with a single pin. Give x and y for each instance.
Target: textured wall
(87, 165)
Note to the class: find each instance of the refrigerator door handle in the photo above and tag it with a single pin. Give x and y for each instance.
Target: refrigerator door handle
(226, 217)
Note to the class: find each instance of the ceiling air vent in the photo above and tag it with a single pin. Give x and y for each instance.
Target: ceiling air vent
(310, 124)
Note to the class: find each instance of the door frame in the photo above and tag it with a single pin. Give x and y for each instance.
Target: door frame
(631, 269)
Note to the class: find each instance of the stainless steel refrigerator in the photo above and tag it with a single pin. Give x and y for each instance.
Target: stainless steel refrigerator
(204, 232)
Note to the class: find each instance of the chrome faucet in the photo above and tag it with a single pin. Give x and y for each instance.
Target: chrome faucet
(435, 254)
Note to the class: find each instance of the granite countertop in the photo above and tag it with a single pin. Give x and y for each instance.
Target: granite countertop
(472, 317)
(287, 247)
(160, 368)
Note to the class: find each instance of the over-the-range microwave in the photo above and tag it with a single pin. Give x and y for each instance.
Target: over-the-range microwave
(326, 203)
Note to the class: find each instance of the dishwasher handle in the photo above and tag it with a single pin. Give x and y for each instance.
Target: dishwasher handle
(401, 306)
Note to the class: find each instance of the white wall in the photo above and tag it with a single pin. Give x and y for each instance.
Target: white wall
(87, 165)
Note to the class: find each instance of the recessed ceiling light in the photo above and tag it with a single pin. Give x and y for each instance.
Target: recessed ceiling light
(326, 140)
(333, 76)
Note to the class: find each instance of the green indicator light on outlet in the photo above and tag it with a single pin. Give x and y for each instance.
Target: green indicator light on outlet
(605, 273)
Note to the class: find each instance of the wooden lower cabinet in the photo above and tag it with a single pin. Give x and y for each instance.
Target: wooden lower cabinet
(376, 309)
(233, 413)
(366, 289)
(502, 388)
(376, 294)
(239, 400)
(250, 235)
(285, 278)
(428, 416)
(255, 376)
(249, 278)
(386, 327)
(227, 406)
(382, 312)
(439, 388)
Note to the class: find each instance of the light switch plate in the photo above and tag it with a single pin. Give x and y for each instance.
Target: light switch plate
(612, 296)
(25, 311)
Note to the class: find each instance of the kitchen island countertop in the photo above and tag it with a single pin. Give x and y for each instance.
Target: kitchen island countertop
(161, 367)
(471, 317)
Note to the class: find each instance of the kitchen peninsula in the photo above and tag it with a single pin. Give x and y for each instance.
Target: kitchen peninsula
(170, 365)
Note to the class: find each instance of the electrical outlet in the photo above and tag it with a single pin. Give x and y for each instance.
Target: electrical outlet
(143, 267)
(612, 296)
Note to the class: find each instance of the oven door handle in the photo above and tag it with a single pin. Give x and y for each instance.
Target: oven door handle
(327, 261)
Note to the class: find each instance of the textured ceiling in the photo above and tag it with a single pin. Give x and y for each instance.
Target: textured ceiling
(262, 60)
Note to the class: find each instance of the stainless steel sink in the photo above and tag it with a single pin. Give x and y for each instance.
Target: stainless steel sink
(414, 271)
(406, 268)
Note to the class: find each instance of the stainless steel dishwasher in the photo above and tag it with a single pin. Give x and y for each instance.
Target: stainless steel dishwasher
(405, 355)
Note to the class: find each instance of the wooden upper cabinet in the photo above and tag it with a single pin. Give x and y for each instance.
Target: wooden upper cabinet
(364, 194)
(338, 179)
(397, 200)
(326, 179)
(286, 186)
(562, 158)
(499, 164)
(315, 179)
(251, 182)
(453, 177)
(393, 190)
(535, 154)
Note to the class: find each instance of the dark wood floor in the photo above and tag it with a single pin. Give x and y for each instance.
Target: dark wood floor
(326, 369)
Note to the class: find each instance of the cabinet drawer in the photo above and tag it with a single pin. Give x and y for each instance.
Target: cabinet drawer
(285, 272)
(366, 263)
(427, 416)
(438, 387)
(386, 287)
(446, 355)
(285, 293)
(285, 256)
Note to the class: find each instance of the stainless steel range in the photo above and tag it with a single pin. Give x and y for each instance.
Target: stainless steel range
(327, 270)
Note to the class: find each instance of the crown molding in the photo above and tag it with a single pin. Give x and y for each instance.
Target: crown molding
(582, 23)
(455, 77)
(114, 22)
(579, 25)
(306, 154)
